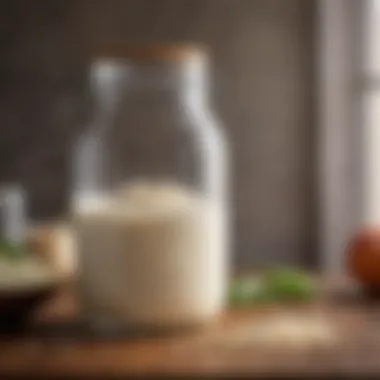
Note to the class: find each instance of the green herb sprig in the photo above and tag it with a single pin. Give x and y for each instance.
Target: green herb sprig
(278, 285)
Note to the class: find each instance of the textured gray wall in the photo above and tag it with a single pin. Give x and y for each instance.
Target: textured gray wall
(263, 87)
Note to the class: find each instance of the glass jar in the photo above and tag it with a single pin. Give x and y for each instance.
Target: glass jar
(13, 219)
(149, 197)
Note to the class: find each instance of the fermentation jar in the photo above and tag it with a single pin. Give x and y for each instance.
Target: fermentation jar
(149, 192)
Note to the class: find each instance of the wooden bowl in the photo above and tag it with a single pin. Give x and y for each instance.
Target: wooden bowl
(16, 307)
(24, 286)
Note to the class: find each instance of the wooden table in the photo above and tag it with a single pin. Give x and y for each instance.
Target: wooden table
(54, 347)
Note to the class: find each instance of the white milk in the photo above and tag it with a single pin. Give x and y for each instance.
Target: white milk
(152, 254)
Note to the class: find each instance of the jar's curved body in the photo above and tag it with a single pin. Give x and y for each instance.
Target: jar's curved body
(149, 200)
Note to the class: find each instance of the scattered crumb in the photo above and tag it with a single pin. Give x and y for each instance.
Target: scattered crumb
(286, 331)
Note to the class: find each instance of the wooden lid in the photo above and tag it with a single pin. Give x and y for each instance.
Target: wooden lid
(153, 52)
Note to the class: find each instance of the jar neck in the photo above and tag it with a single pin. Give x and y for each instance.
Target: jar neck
(115, 82)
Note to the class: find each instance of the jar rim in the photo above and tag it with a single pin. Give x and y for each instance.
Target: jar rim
(153, 52)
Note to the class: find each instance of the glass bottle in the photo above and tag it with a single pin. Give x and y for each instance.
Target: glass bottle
(149, 192)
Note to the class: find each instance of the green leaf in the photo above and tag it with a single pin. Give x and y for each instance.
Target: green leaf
(290, 284)
(249, 291)
(280, 285)
(244, 291)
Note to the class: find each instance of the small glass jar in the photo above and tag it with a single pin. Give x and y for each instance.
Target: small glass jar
(149, 196)
(13, 218)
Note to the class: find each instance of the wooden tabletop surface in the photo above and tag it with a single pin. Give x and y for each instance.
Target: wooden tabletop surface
(55, 346)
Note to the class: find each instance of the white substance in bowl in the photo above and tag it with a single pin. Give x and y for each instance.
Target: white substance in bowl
(25, 274)
(153, 254)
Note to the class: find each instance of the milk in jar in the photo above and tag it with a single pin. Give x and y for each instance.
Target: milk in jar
(152, 255)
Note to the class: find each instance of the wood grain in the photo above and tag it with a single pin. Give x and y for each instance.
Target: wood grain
(56, 347)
